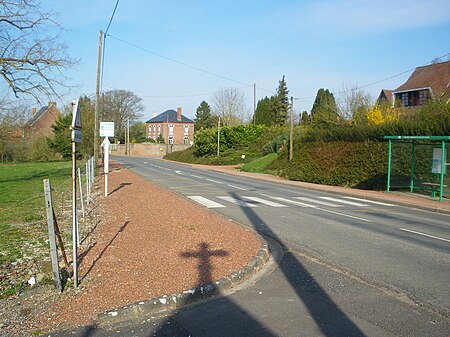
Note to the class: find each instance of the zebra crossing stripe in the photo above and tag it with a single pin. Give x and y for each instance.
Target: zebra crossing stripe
(289, 201)
(265, 202)
(205, 202)
(370, 201)
(320, 202)
(237, 201)
(344, 201)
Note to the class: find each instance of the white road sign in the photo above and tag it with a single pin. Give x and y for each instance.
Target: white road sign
(76, 122)
(106, 129)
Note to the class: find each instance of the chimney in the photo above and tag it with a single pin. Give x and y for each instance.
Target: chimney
(33, 111)
(179, 114)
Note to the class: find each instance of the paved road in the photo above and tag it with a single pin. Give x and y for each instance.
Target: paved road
(341, 267)
(384, 243)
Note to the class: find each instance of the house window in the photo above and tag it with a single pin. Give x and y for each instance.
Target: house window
(405, 99)
(171, 128)
(159, 129)
(186, 140)
(186, 129)
(170, 139)
(423, 97)
(154, 128)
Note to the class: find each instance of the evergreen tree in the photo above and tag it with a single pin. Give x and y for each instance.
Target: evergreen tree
(281, 104)
(304, 117)
(324, 110)
(203, 117)
(264, 111)
(62, 141)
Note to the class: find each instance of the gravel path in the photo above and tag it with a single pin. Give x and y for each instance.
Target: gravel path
(145, 246)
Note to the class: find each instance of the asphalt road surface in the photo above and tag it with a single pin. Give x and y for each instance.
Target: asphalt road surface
(345, 267)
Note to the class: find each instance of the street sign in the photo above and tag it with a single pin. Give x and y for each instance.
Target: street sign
(76, 122)
(106, 129)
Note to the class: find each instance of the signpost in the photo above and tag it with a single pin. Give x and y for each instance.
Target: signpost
(106, 130)
(105, 144)
(76, 138)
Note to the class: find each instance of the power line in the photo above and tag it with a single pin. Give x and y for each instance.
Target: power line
(112, 16)
(104, 43)
(179, 62)
(190, 95)
(379, 81)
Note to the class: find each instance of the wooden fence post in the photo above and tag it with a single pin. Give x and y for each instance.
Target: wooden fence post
(51, 235)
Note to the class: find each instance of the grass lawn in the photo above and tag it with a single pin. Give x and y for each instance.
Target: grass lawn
(259, 165)
(22, 204)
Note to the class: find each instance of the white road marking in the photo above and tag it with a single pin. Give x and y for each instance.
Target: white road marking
(237, 201)
(265, 202)
(423, 234)
(320, 202)
(343, 214)
(178, 172)
(214, 181)
(344, 201)
(370, 201)
(237, 187)
(289, 201)
(205, 202)
(192, 175)
(145, 162)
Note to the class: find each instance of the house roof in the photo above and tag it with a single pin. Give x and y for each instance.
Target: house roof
(36, 116)
(435, 76)
(169, 116)
(386, 95)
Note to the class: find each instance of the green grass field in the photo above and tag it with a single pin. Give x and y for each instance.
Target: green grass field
(22, 204)
(259, 165)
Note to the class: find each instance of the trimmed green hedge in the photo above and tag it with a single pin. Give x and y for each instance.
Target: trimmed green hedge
(361, 165)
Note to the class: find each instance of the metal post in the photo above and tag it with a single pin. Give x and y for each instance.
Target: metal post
(92, 171)
(51, 235)
(411, 184)
(74, 217)
(81, 192)
(218, 138)
(88, 177)
(443, 167)
(291, 132)
(388, 187)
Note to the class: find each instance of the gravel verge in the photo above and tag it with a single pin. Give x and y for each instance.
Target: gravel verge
(150, 243)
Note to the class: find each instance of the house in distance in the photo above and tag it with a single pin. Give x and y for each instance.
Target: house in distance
(171, 126)
(41, 121)
(425, 83)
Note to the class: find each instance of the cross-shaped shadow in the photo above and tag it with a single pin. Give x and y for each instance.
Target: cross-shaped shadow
(204, 266)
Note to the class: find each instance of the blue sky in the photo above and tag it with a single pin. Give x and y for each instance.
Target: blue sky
(315, 44)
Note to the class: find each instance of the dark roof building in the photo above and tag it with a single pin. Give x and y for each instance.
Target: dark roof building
(170, 116)
(172, 127)
(41, 121)
(425, 83)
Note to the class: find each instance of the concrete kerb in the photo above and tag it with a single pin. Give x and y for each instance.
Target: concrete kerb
(158, 305)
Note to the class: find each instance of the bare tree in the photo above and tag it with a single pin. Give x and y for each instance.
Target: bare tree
(119, 106)
(229, 105)
(32, 59)
(353, 102)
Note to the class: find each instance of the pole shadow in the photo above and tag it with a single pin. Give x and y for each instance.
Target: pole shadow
(122, 185)
(330, 319)
(121, 229)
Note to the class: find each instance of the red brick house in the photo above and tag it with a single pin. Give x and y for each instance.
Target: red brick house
(41, 121)
(172, 126)
(425, 83)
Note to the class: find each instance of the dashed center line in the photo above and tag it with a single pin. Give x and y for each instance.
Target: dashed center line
(214, 181)
(237, 187)
(423, 234)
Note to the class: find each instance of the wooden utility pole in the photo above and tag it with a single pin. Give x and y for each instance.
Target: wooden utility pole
(291, 132)
(254, 103)
(97, 98)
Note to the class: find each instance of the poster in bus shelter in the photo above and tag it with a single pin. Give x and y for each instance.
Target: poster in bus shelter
(437, 158)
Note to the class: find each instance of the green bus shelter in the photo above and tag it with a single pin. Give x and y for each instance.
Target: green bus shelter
(438, 164)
